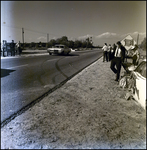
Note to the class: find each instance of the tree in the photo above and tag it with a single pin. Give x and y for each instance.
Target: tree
(40, 44)
(87, 39)
(58, 41)
(36, 45)
(77, 44)
(84, 44)
(52, 43)
(71, 44)
(63, 40)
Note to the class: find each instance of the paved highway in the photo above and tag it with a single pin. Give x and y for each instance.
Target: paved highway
(25, 79)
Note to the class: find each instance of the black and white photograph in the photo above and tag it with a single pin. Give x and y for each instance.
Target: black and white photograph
(73, 74)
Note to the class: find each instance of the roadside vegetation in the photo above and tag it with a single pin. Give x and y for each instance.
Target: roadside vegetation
(77, 44)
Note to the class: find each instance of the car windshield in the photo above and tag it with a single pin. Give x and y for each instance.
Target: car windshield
(59, 46)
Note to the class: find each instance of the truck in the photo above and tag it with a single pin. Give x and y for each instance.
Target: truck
(59, 49)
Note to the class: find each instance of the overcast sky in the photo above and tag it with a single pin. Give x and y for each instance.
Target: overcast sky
(104, 21)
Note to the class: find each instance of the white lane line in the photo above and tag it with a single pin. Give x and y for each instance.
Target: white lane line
(17, 66)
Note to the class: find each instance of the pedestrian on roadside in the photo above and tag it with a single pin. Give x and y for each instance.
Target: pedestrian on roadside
(118, 59)
(109, 52)
(19, 48)
(16, 48)
(135, 56)
(4, 47)
(105, 48)
(112, 51)
(12, 48)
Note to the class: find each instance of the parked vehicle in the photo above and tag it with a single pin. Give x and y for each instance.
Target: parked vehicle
(59, 49)
(139, 77)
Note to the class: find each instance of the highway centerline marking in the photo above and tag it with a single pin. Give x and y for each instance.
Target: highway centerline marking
(17, 66)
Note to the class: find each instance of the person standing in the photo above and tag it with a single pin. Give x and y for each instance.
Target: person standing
(4, 47)
(19, 48)
(105, 49)
(109, 52)
(118, 59)
(135, 56)
(12, 48)
(112, 51)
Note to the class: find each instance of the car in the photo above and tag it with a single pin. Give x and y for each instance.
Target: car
(139, 77)
(59, 49)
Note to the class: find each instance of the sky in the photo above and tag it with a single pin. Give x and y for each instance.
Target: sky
(104, 21)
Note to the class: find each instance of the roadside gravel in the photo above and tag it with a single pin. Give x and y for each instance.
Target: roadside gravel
(89, 111)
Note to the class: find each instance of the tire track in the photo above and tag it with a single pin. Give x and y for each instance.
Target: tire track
(57, 66)
(25, 108)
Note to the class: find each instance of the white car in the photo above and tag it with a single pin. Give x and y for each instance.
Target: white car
(59, 49)
(139, 77)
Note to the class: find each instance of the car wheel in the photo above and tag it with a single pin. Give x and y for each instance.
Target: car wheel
(50, 53)
(66, 53)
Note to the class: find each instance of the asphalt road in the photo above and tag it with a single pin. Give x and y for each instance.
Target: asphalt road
(25, 79)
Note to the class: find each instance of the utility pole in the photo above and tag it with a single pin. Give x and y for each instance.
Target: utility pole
(23, 37)
(47, 40)
(137, 38)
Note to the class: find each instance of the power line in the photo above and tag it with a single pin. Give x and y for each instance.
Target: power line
(40, 32)
(11, 26)
(35, 31)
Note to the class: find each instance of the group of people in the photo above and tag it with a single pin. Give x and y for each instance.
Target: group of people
(16, 48)
(12, 47)
(117, 54)
(108, 52)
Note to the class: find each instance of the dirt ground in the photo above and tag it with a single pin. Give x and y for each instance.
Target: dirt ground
(88, 112)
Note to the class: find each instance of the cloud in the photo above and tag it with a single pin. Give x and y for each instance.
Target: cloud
(84, 37)
(111, 37)
(143, 34)
(42, 38)
(54, 38)
(107, 35)
(71, 38)
(135, 34)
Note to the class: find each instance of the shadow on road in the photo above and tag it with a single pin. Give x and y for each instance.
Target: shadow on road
(31, 53)
(73, 55)
(6, 72)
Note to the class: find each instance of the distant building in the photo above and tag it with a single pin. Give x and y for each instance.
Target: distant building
(128, 42)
